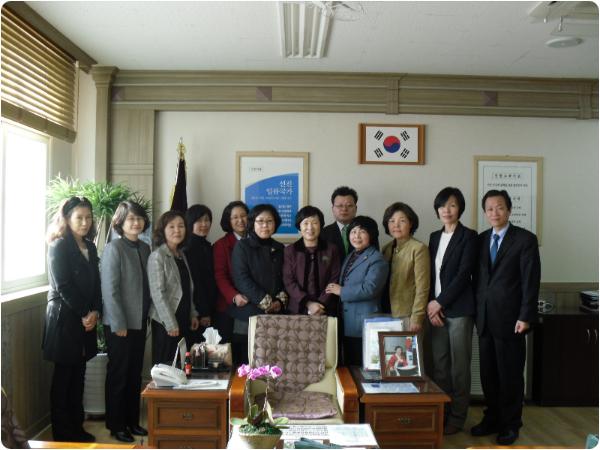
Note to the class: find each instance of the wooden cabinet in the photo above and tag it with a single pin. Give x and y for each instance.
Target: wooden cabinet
(186, 419)
(405, 420)
(565, 368)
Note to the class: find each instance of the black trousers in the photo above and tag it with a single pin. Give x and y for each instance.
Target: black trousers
(164, 346)
(124, 378)
(66, 401)
(352, 351)
(239, 348)
(224, 323)
(502, 362)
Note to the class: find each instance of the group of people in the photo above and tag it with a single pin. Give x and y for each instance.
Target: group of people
(186, 284)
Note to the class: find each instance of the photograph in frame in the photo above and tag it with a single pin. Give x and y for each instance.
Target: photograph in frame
(400, 358)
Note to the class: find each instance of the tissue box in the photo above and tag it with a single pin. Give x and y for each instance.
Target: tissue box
(219, 353)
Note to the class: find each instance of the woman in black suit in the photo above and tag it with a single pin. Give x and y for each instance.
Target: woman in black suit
(257, 269)
(74, 301)
(451, 307)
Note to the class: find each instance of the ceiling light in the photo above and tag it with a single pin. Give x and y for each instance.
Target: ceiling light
(564, 42)
(304, 30)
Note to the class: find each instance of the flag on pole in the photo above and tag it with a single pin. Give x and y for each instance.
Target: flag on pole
(179, 194)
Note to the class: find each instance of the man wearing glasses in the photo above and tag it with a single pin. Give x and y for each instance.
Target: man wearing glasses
(343, 206)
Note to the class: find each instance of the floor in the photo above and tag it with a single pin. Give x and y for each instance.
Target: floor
(545, 427)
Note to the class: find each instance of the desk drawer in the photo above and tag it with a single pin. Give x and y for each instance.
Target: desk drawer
(187, 442)
(399, 419)
(192, 415)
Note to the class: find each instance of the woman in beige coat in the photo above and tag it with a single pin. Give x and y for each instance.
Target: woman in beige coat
(409, 266)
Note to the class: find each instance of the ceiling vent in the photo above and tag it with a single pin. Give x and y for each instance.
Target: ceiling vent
(304, 30)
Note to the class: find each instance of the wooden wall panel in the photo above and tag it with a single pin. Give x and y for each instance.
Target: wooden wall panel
(26, 376)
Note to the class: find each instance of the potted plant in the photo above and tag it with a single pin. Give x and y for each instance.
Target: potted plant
(104, 197)
(259, 429)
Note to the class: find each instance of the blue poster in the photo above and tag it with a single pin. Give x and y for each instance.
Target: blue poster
(281, 191)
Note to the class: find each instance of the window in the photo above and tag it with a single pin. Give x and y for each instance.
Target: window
(23, 171)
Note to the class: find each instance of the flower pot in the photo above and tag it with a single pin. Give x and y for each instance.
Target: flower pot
(254, 440)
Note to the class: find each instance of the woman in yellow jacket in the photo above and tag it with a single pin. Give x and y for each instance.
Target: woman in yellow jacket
(409, 266)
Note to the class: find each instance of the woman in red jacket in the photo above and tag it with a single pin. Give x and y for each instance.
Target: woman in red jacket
(233, 221)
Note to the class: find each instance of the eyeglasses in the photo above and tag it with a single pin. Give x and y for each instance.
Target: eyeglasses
(264, 223)
(345, 206)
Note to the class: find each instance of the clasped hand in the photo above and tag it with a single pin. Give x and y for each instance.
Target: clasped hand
(89, 321)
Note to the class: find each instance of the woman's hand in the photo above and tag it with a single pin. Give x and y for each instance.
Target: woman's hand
(315, 308)
(174, 332)
(434, 308)
(415, 327)
(333, 288)
(89, 321)
(205, 322)
(436, 320)
(195, 324)
(121, 333)
(240, 300)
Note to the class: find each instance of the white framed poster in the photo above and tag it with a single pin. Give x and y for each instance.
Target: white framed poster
(521, 177)
(277, 178)
(391, 144)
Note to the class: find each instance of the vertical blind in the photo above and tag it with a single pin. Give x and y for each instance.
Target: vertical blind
(39, 80)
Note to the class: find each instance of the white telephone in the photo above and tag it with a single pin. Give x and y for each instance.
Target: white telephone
(165, 375)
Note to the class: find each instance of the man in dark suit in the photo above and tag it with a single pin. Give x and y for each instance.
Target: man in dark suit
(343, 206)
(508, 282)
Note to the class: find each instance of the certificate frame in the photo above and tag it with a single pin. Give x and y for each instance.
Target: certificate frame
(278, 178)
(521, 177)
(410, 345)
(397, 144)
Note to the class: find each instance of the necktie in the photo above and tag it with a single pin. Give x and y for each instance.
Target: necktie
(494, 249)
(345, 238)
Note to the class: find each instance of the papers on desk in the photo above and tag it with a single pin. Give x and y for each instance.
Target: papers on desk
(354, 435)
(389, 388)
(209, 385)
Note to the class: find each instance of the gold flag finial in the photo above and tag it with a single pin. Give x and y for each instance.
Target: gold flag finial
(181, 149)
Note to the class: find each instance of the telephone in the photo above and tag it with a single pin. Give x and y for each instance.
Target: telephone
(165, 375)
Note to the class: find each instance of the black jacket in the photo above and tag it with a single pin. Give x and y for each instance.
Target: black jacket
(200, 259)
(74, 292)
(331, 233)
(257, 271)
(457, 297)
(508, 290)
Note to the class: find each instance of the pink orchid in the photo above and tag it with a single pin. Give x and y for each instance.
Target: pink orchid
(275, 372)
(243, 370)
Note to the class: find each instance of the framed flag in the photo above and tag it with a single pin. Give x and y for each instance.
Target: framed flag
(277, 178)
(391, 144)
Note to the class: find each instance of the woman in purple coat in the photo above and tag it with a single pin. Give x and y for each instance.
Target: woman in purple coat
(309, 265)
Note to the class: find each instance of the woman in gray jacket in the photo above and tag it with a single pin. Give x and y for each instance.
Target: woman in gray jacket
(172, 312)
(126, 303)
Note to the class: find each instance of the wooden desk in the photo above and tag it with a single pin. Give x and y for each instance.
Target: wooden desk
(187, 419)
(404, 420)
(55, 444)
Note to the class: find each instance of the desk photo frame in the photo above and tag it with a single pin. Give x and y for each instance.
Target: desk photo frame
(277, 178)
(400, 356)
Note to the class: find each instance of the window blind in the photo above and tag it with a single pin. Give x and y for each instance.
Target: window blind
(39, 80)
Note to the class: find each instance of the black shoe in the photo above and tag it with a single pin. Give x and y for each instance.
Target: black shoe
(123, 436)
(483, 428)
(138, 430)
(84, 436)
(507, 437)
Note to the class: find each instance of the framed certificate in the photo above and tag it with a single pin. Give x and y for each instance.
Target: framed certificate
(521, 177)
(391, 144)
(277, 178)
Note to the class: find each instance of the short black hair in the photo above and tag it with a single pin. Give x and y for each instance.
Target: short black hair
(367, 224)
(496, 193)
(344, 191)
(444, 195)
(158, 236)
(258, 210)
(309, 211)
(192, 215)
(408, 212)
(226, 216)
(121, 212)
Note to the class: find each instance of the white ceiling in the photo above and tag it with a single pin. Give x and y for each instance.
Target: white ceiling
(469, 38)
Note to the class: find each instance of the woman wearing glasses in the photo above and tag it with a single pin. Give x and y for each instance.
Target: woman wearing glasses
(257, 274)
(74, 302)
(126, 296)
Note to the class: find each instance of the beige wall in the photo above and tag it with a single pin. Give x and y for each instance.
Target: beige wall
(569, 148)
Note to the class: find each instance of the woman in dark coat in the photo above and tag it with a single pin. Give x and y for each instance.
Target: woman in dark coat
(309, 265)
(74, 302)
(257, 274)
(199, 253)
